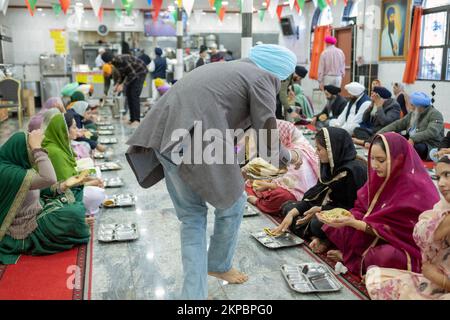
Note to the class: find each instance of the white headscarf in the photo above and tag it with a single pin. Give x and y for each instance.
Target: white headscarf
(80, 107)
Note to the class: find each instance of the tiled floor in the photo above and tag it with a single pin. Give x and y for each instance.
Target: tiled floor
(150, 267)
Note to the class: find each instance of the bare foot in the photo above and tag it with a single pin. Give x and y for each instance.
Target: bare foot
(233, 276)
(252, 200)
(335, 255)
(318, 246)
(135, 124)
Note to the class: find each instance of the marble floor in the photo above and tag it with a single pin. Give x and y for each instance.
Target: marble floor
(150, 267)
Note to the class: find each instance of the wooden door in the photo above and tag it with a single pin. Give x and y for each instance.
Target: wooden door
(344, 38)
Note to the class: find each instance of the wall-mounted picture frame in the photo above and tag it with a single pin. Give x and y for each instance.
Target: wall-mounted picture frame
(395, 29)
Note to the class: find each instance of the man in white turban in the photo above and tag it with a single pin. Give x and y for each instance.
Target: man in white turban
(353, 113)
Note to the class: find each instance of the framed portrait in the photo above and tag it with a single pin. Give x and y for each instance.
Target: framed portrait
(395, 28)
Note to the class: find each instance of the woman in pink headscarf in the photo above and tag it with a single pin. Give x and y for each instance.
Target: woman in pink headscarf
(269, 196)
(380, 230)
(36, 121)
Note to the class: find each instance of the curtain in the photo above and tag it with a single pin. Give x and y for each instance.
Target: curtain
(412, 61)
(319, 45)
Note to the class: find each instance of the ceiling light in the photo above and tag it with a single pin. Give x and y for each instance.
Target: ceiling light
(224, 3)
(264, 4)
(39, 9)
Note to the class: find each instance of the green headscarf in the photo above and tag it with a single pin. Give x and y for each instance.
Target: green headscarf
(302, 101)
(57, 144)
(16, 174)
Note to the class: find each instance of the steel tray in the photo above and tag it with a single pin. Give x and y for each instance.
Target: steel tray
(105, 132)
(113, 182)
(310, 278)
(105, 127)
(118, 232)
(250, 210)
(108, 166)
(106, 140)
(103, 123)
(276, 242)
(102, 155)
(120, 200)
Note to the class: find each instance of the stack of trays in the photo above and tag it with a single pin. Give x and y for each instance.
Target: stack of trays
(105, 140)
(117, 232)
(109, 166)
(250, 210)
(105, 132)
(120, 200)
(113, 182)
(310, 277)
(276, 242)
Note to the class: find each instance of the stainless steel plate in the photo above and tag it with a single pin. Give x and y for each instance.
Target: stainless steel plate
(106, 140)
(120, 200)
(108, 166)
(283, 241)
(106, 127)
(105, 132)
(113, 182)
(310, 277)
(250, 210)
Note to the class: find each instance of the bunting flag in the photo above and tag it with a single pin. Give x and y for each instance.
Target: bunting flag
(149, 2)
(118, 12)
(279, 11)
(31, 4)
(211, 3)
(272, 7)
(188, 6)
(300, 4)
(222, 13)
(218, 6)
(96, 5)
(240, 5)
(4, 7)
(175, 15)
(56, 9)
(198, 15)
(65, 4)
(297, 7)
(291, 3)
(322, 4)
(261, 14)
(100, 15)
(156, 9)
(180, 3)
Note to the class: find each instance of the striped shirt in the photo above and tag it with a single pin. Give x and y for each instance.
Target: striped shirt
(331, 63)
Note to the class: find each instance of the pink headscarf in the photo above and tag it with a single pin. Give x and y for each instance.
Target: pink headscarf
(36, 121)
(391, 205)
(298, 181)
(330, 40)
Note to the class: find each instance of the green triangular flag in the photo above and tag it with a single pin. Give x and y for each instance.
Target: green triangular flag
(32, 4)
(261, 13)
(118, 12)
(56, 8)
(240, 4)
(322, 4)
(218, 6)
(301, 4)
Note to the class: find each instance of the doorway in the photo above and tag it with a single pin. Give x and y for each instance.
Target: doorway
(344, 38)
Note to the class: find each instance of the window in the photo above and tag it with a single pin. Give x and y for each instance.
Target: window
(434, 59)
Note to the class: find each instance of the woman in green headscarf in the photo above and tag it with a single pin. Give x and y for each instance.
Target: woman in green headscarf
(302, 102)
(29, 225)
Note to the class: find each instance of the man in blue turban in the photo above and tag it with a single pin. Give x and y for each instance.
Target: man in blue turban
(390, 39)
(215, 102)
(424, 127)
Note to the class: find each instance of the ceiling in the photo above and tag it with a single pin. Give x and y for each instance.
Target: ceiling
(141, 4)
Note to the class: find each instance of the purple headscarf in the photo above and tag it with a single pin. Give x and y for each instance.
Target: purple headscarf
(36, 121)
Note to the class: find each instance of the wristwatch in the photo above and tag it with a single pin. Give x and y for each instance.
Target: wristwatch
(289, 110)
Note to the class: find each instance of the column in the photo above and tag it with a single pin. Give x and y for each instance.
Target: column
(179, 67)
(246, 37)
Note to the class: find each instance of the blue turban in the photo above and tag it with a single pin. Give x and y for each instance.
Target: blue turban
(158, 51)
(420, 99)
(390, 11)
(275, 59)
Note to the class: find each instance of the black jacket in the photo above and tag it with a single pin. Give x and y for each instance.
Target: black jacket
(337, 107)
(383, 117)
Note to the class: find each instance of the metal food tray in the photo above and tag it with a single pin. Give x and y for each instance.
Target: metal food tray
(250, 210)
(118, 232)
(276, 242)
(310, 278)
(102, 155)
(113, 182)
(105, 132)
(106, 127)
(121, 200)
(105, 140)
(109, 166)
(103, 123)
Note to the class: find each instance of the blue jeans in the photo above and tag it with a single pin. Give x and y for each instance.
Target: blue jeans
(191, 210)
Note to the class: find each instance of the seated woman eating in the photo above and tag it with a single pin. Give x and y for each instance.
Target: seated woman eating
(379, 230)
(432, 235)
(81, 111)
(268, 196)
(82, 149)
(29, 225)
(341, 175)
(62, 156)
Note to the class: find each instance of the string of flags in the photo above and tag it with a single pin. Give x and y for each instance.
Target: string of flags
(272, 6)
